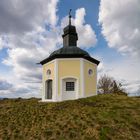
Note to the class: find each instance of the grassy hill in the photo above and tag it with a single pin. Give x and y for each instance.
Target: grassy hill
(101, 117)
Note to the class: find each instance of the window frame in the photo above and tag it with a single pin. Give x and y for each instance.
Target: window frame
(70, 86)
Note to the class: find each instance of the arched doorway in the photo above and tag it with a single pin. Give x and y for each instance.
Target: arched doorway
(48, 93)
(69, 88)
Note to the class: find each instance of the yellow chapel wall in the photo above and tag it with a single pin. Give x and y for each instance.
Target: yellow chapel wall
(69, 68)
(90, 80)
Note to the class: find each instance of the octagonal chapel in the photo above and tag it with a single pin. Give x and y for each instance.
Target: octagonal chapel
(69, 73)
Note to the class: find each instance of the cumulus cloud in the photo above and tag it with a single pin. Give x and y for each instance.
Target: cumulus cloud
(120, 25)
(18, 16)
(27, 41)
(25, 53)
(3, 41)
(87, 37)
(100, 67)
(25, 92)
(4, 85)
(119, 21)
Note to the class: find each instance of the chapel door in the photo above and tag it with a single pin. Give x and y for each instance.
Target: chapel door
(49, 89)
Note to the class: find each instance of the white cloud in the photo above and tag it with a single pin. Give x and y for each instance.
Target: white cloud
(3, 41)
(4, 85)
(120, 25)
(86, 35)
(119, 21)
(27, 44)
(100, 67)
(19, 16)
(23, 54)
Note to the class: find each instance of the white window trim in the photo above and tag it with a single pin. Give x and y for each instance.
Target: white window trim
(77, 83)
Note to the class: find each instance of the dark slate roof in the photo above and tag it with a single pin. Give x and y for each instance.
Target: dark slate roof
(70, 52)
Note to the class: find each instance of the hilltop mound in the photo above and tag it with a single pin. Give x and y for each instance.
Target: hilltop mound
(98, 117)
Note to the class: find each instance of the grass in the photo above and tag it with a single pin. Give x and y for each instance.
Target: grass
(102, 117)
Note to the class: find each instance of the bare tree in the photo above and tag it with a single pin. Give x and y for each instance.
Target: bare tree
(107, 85)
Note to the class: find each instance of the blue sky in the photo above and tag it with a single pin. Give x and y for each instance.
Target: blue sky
(113, 38)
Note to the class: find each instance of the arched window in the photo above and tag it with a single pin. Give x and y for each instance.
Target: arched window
(48, 72)
(90, 71)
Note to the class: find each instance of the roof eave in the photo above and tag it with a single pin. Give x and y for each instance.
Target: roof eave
(91, 59)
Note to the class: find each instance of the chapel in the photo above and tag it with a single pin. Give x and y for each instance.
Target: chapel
(70, 72)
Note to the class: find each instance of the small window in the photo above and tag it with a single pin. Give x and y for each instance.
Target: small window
(48, 72)
(69, 86)
(90, 71)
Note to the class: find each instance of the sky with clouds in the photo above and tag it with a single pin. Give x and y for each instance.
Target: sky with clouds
(30, 30)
